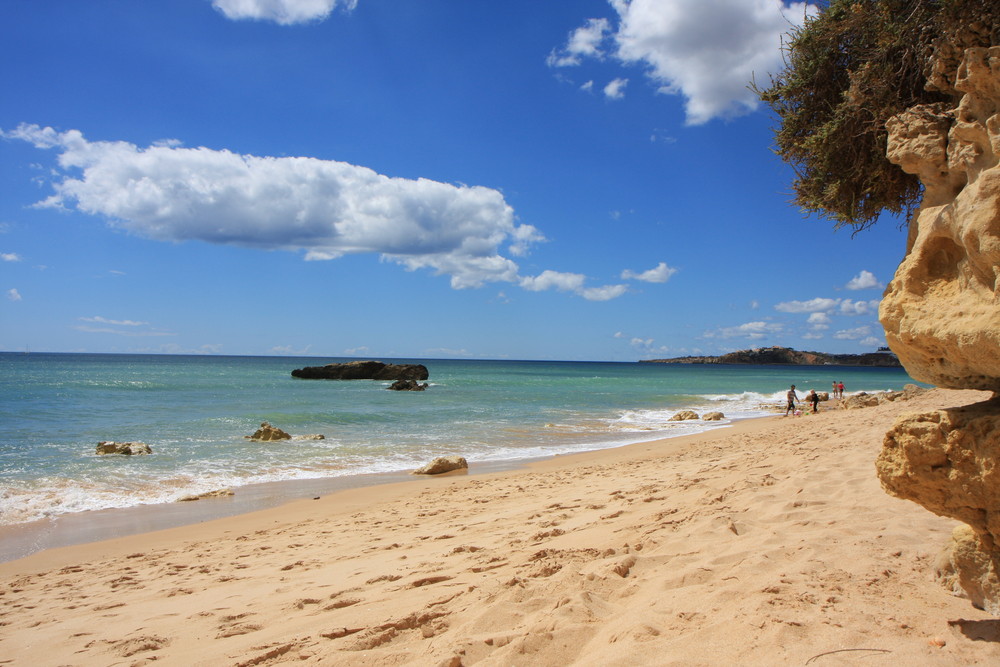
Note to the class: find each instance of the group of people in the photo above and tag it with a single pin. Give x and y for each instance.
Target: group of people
(812, 398)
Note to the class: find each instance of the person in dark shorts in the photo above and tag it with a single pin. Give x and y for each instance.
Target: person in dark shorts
(813, 398)
(792, 398)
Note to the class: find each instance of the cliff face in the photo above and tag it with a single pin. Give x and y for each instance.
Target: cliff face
(941, 314)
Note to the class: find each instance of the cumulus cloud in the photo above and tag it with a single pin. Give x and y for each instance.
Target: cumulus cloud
(659, 274)
(811, 306)
(705, 50)
(853, 334)
(583, 42)
(850, 307)
(615, 90)
(864, 280)
(10, 257)
(750, 330)
(322, 207)
(571, 282)
(13, 295)
(283, 12)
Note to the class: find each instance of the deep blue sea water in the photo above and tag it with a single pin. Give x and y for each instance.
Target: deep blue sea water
(194, 412)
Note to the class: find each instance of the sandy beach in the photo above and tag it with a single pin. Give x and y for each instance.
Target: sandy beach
(768, 543)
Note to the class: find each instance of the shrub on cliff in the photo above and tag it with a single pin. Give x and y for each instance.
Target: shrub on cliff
(847, 71)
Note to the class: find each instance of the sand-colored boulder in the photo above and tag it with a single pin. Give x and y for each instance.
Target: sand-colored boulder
(266, 433)
(947, 461)
(941, 311)
(443, 464)
(713, 416)
(965, 569)
(106, 447)
(684, 415)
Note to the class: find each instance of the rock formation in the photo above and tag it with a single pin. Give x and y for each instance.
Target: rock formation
(684, 415)
(443, 464)
(363, 370)
(408, 385)
(712, 417)
(266, 433)
(941, 314)
(106, 447)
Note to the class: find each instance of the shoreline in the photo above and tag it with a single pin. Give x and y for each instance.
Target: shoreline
(21, 540)
(769, 542)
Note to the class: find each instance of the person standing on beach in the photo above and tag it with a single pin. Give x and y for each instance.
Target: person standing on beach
(840, 390)
(835, 389)
(792, 398)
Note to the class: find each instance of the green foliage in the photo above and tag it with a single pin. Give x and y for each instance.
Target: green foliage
(849, 70)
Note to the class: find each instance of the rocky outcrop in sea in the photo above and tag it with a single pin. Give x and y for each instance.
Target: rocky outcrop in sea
(363, 370)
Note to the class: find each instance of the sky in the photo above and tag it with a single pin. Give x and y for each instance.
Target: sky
(588, 180)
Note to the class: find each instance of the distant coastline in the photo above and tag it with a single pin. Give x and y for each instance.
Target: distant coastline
(788, 356)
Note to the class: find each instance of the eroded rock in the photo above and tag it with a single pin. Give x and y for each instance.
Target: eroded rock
(713, 416)
(941, 312)
(442, 465)
(266, 433)
(106, 447)
(684, 415)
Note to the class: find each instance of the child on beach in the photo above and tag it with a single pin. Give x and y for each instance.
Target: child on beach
(813, 398)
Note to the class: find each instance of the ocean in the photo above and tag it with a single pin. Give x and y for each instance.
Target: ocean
(194, 411)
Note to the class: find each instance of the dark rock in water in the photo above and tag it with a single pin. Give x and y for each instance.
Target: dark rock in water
(363, 370)
(408, 385)
(106, 447)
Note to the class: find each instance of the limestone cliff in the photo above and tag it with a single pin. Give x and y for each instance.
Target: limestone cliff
(941, 313)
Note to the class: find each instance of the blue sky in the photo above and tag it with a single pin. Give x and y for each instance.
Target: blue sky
(584, 180)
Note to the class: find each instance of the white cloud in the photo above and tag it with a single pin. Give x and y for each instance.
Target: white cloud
(615, 90)
(284, 12)
(122, 332)
(583, 42)
(13, 295)
(864, 280)
(849, 307)
(289, 351)
(853, 334)
(819, 320)
(548, 279)
(10, 257)
(604, 293)
(121, 323)
(571, 282)
(872, 341)
(705, 50)
(357, 351)
(325, 208)
(811, 306)
(659, 274)
(752, 330)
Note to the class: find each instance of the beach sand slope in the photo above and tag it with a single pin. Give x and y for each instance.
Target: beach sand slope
(768, 543)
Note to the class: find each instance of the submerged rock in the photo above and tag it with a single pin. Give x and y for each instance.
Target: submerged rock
(713, 416)
(218, 493)
(107, 447)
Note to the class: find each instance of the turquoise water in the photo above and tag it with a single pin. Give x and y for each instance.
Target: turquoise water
(194, 412)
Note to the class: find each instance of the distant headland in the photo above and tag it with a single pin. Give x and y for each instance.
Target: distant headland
(788, 356)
